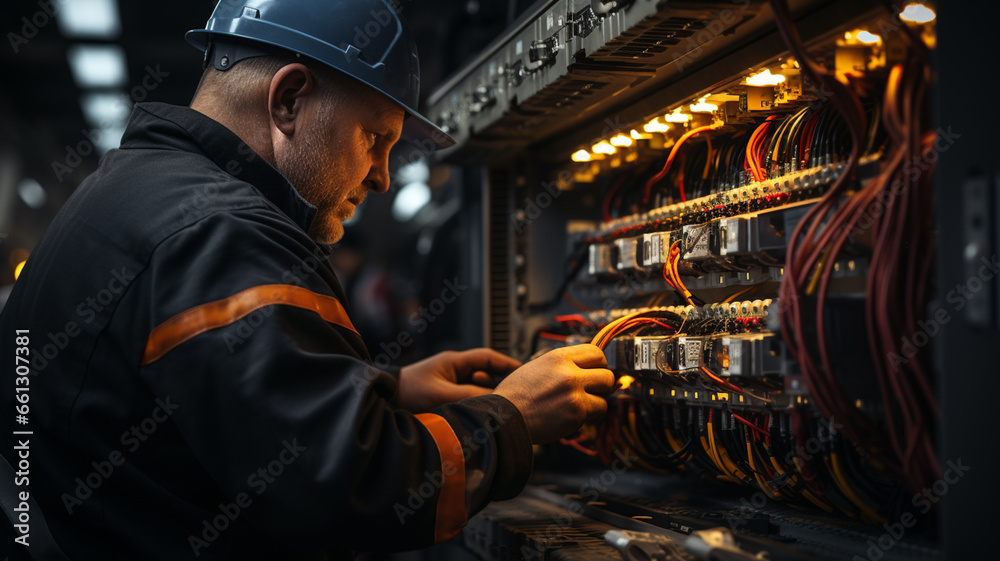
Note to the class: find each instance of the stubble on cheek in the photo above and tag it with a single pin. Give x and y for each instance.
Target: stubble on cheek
(331, 212)
(314, 177)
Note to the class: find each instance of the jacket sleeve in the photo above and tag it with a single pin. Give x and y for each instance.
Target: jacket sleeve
(276, 399)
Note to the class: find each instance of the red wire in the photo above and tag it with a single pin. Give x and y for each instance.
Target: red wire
(803, 251)
(884, 306)
(720, 381)
(552, 336)
(762, 141)
(680, 177)
(606, 205)
(670, 282)
(755, 157)
(571, 318)
(749, 424)
(805, 139)
(670, 160)
(753, 145)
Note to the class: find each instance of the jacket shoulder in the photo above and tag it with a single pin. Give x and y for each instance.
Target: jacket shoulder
(142, 196)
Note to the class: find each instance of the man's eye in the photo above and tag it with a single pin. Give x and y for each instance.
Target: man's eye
(372, 139)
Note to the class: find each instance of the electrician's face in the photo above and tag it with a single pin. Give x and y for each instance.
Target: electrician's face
(342, 153)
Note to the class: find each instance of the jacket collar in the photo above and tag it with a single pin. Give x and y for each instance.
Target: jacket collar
(159, 126)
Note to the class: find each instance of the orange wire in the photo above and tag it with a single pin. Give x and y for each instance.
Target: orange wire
(675, 275)
(624, 326)
(733, 387)
(720, 381)
(670, 160)
(552, 336)
(576, 444)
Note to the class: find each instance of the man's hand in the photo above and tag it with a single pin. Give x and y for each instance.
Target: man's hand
(558, 391)
(450, 376)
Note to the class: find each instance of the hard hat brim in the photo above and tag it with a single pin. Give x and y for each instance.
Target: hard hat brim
(419, 129)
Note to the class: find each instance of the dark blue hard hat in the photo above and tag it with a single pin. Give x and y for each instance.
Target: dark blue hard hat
(364, 39)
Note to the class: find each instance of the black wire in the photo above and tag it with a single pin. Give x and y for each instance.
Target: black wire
(740, 435)
(782, 142)
(779, 128)
(726, 145)
(674, 457)
(738, 158)
(730, 440)
(817, 137)
(700, 455)
(697, 169)
(648, 437)
(792, 147)
(865, 481)
(838, 144)
(632, 189)
(736, 164)
(835, 138)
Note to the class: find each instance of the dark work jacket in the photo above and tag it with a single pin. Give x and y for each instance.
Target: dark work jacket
(197, 388)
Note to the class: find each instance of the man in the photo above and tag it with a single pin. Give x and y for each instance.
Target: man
(197, 387)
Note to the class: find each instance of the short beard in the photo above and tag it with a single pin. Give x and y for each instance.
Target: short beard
(305, 167)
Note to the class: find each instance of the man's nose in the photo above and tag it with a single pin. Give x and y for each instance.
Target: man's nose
(378, 176)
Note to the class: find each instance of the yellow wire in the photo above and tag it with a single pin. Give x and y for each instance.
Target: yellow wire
(760, 480)
(680, 330)
(777, 135)
(790, 124)
(635, 434)
(675, 445)
(793, 480)
(707, 442)
(730, 464)
(675, 273)
(635, 444)
(723, 476)
(817, 501)
(841, 481)
(726, 466)
(814, 283)
(798, 467)
(598, 339)
(740, 293)
(708, 158)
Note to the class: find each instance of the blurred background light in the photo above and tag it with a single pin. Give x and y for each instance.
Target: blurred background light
(417, 171)
(409, 200)
(97, 66)
(917, 13)
(105, 107)
(89, 18)
(32, 193)
(109, 138)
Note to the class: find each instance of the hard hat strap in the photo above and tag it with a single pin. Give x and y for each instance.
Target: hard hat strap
(226, 53)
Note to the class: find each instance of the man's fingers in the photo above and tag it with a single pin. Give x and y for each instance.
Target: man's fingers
(599, 381)
(586, 356)
(486, 360)
(484, 379)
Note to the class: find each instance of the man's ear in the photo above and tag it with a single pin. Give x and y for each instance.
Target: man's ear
(286, 95)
